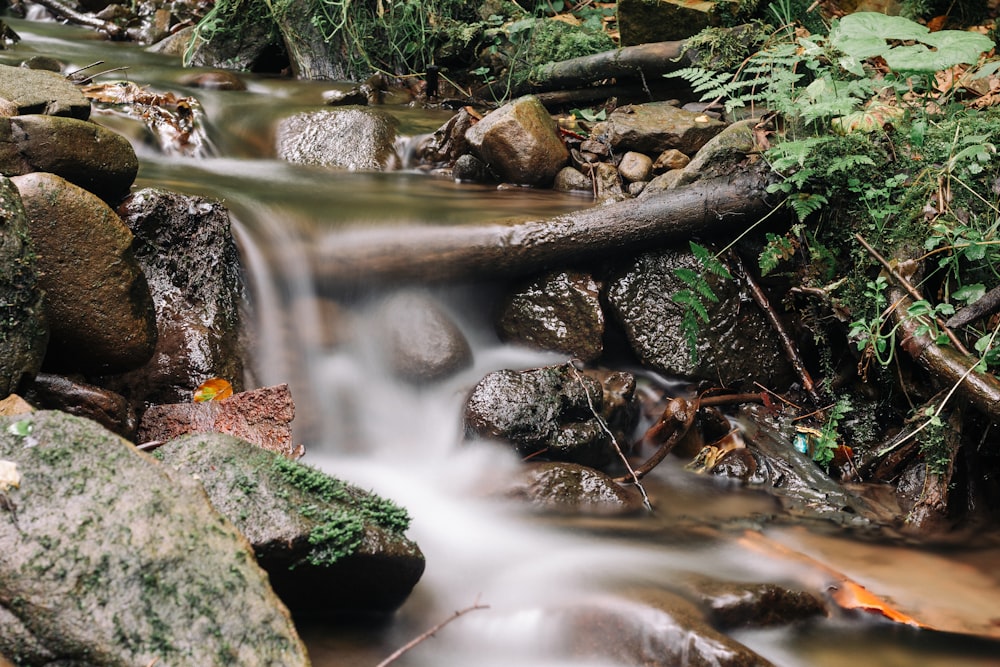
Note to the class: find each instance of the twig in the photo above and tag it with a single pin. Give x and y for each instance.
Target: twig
(57, 7)
(632, 476)
(731, 399)
(791, 350)
(430, 633)
(682, 412)
(910, 289)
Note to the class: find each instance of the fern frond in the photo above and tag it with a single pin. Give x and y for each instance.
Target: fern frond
(806, 203)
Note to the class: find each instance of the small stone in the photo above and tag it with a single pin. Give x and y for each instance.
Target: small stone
(670, 159)
(572, 180)
(635, 167)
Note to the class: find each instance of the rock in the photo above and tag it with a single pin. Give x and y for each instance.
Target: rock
(635, 167)
(108, 559)
(736, 345)
(569, 488)
(658, 630)
(731, 604)
(348, 137)
(185, 248)
(548, 410)
(418, 340)
(558, 311)
(645, 21)
(655, 127)
(723, 154)
(243, 50)
(110, 410)
(36, 91)
(470, 169)
(220, 80)
(327, 546)
(14, 405)
(84, 153)
(447, 144)
(99, 307)
(635, 189)
(608, 183)
(262, 417)
(520, 142)
(23, 327)
(569, 179)
(665, 181)
(672, 159)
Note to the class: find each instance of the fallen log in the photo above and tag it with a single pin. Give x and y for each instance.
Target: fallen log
(717, 208)
(644, 62)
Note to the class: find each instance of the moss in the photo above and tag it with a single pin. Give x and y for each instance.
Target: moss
(555, 41)
(337, 535)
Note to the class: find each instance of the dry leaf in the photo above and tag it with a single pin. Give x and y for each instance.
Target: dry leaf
(215, 389)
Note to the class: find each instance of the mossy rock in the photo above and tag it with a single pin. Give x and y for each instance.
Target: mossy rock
(107, 559)
(327, 545)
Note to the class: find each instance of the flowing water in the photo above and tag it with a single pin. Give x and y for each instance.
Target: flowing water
(404, 442)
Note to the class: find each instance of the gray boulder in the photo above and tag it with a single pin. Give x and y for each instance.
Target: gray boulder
(100, 310)
(327, 545)
(558, 311)
(23, 328)
(352, 137)
(108, 559)
(84, 153)
(520, 142)
(418, 339)
(185, 248)
(551, 412)
(655, 127)
(569, 488)
(36, 91)
(736, 344)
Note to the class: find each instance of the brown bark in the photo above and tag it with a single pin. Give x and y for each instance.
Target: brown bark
(717, 208)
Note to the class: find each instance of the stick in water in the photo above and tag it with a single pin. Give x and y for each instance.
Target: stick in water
(430, 633)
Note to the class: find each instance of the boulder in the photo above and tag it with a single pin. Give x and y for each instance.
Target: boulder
(23, 327)
(242, 50)
(569, 488)
(108, 559)
(352, 137)
(520, 142)
(185, 248)
(327, 546)
(84, 153)
(655, 127)
(37, 91)
(262, 417)
(723, 155)
(735, 346)
(551, 411)
(99, 307)
(645, 21)
(558, 311)
(733, 604)
(418, 340)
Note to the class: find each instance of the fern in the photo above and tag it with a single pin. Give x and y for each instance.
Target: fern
(778, 249)
(692, 300)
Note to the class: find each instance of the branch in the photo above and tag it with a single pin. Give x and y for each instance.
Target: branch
(430, 633)
(59, 9)
(677, 418)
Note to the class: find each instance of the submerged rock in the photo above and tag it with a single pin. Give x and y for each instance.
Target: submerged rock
(97, 300)
(106, 559)
(355, 138)
(551, 411)
(558, 311)
(23, 327)
(519, 141)
(569, 488)
(186, 250)
(736, 344)
(327, 545)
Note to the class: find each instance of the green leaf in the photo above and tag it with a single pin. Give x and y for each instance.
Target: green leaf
(969, 293)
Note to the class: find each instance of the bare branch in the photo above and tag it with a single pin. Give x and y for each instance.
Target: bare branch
(430, 633)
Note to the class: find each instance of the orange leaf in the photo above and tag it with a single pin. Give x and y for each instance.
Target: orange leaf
(851, 595)
(937, 23)
(214, 389)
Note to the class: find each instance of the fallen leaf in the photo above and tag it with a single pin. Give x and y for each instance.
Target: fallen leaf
(214, 389)
(10, 478)
(851, 595)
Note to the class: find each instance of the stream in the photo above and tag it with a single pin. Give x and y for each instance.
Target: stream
(363, 426)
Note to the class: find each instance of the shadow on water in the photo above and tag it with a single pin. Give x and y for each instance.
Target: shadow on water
(404, 441)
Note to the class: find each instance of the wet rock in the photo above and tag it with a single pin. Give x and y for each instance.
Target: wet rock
(569, 488)
(418, 340)
(245, 49)
(98, 304)
(185, 248)
(108, 559)
(470, 169)
(23, 327)
(559, 311)
(110, 410)
(635, 167)
(348, 137)
(262, 417)
(723, 155)
(520, 142)
(448, 143)
(658, 630)
(735, 346)
(220, 80)
(547, 410)
(35, 91)
(731, 604)
(655, 127)
(327, 546)
(84, 153)
(572, 180)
